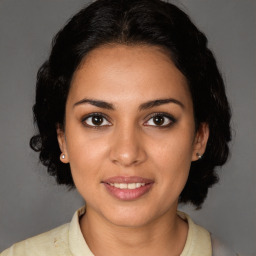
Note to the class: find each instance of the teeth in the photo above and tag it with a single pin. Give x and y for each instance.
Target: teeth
(123, 185)
(138, 185)
(131, 185)
(127, 185)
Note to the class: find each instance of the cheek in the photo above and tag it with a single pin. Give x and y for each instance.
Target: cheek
(86, 155)
(174, 147)
(172, 157)
(173, 170)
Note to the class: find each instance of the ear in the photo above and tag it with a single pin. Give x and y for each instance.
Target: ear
(200, 141)
(62, 144)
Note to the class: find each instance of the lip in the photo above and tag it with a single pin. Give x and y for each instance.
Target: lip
(127, 179)
(128, 194)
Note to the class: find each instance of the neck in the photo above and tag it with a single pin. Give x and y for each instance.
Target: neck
(164, 236)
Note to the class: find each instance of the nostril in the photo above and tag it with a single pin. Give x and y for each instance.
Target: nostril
(127, 149)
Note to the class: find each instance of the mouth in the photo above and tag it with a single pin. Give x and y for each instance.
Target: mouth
(127, 185)
(128, 188)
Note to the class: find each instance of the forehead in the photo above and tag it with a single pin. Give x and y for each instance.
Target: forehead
(128, 71)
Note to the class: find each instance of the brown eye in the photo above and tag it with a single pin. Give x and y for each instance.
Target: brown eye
(160, 120)
(96, 120)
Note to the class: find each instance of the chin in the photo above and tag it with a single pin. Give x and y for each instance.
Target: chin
(131, 222)
(133, 218)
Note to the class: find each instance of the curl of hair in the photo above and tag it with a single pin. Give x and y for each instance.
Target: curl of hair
(135, 22)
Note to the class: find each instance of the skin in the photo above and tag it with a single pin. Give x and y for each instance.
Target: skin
(130, 142)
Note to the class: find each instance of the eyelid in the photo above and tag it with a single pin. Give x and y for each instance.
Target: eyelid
(84, 118)
(162, 114)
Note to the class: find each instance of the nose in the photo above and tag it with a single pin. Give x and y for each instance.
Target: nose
(127, 147)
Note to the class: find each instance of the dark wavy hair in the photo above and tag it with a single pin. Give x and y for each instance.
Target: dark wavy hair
(135, 22)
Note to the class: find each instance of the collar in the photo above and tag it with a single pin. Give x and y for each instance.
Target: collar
(198, 239)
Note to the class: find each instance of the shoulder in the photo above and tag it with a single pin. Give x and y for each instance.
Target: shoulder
(198, 239)
(53, 242)
(219, 248)
(201, 242)
(66, 240)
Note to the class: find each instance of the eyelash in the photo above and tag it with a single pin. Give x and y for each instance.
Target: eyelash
(84, 119)
(172, 120)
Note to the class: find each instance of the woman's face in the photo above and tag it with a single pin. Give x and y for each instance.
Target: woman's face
(130, 133)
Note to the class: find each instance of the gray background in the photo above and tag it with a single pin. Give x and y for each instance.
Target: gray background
(31, 203)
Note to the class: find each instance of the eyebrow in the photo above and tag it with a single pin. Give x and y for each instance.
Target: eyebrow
(155, 103)
(97, 103)
(144, 106)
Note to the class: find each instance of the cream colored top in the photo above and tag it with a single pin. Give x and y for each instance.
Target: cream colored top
(67, 240)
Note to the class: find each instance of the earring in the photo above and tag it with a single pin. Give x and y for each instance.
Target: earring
(62, 156)
(199, 156)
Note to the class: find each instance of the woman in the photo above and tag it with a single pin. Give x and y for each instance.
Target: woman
(131, 110)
